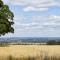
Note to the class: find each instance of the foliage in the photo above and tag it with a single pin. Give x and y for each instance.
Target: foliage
(53, 42)
(6, 19)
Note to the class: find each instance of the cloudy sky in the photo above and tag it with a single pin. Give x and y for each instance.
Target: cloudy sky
(35, 18)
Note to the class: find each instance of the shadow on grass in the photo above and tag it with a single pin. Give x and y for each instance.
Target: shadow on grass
(13, 58)
(34, 58)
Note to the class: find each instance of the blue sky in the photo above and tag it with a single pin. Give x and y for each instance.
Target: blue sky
(35, 18)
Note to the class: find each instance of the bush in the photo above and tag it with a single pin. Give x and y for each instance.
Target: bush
(51, 42)
(58, 43)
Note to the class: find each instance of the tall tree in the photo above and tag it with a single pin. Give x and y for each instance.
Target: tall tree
(6, 19)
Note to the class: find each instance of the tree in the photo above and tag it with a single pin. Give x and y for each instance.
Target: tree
(6, 19)
(51, 42)
(58, 42)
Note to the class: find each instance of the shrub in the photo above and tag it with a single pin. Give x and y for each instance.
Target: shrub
(51, 42)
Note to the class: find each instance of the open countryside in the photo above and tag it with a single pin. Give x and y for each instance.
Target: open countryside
(26, 51)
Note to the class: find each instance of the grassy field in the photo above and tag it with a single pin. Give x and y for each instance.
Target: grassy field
(30, 52)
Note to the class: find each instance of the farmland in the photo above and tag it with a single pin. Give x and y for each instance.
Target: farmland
(25, 51)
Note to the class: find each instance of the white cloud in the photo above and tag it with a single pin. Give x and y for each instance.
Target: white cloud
(6, 1)
(30, 8)
(36, 25)
(37, 22)
(36, 5)
(39, 26)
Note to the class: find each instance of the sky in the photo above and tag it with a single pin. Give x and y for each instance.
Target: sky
(35, 18)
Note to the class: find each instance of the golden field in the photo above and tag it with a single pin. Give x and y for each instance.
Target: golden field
(29, 51)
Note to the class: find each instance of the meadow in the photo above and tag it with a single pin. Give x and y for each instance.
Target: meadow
(30, 52)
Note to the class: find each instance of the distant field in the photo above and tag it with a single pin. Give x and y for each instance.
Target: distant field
(20, 51)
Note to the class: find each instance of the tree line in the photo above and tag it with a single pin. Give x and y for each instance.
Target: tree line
(53, 42)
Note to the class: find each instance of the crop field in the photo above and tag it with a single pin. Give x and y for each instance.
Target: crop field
(36, 52)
